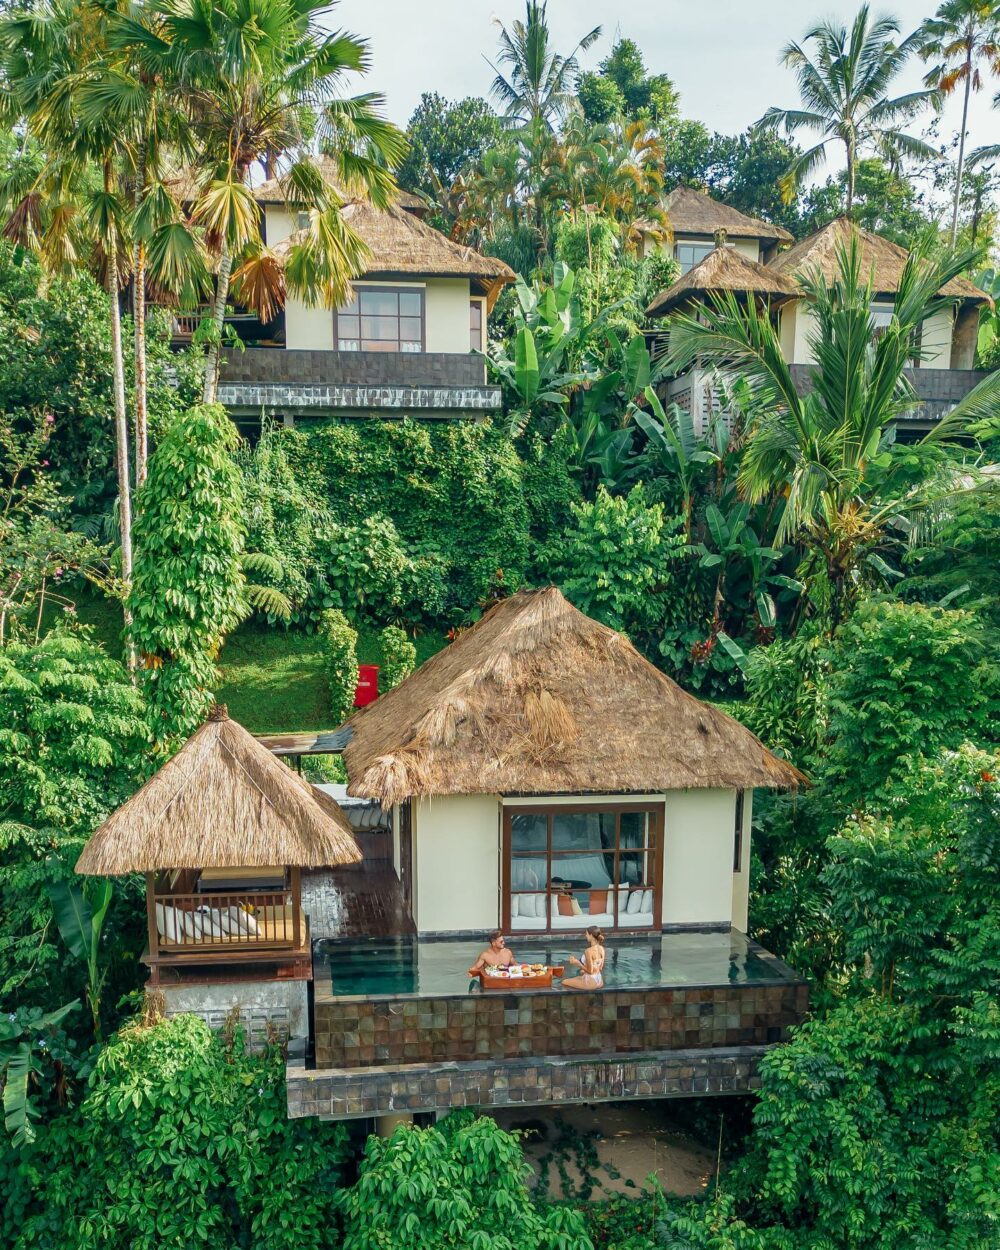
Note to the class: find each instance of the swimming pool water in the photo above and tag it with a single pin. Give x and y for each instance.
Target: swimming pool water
(391, 967)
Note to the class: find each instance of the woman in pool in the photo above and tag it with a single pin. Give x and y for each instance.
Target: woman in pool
(591, 966)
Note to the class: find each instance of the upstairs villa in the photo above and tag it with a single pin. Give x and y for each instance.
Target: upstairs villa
(943, 366)
(698, 224)
(408, 341)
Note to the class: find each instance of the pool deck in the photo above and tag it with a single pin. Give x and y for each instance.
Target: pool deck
(360, 901)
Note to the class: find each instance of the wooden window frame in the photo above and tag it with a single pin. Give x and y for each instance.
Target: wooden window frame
(477, 301)
(657, 813)
(387, 289)
(738, 831)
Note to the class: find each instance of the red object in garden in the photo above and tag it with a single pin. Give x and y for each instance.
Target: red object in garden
(367, 688)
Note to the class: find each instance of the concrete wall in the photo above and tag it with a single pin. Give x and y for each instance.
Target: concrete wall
(741, 879)
(281, 1006)
(698, 856)
(456, 872)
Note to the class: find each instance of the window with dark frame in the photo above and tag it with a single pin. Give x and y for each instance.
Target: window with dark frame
(475, 325)
(689, 254)
(567, 867)
(738, 834)
(381, 319)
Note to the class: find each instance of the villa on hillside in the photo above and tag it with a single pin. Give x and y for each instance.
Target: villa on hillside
(538, 775)
(408, 341)
(698, 224)
(942, 373)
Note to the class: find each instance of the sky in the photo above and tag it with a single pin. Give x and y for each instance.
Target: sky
(722, 54)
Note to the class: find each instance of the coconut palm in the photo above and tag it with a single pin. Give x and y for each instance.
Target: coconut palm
(825, 451)
(259, 84)
(843, 80)
(534, 83)
(962, 36)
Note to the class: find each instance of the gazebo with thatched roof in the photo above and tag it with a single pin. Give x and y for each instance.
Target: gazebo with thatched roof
(221, 833)
(538, 709)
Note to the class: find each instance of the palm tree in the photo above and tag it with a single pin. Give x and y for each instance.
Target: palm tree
(538, 87)
(44, 57)
(843, 86)
(824, 452)
(259, 84)
(962, 35)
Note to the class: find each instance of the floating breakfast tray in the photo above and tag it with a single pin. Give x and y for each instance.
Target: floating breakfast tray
(542, 981)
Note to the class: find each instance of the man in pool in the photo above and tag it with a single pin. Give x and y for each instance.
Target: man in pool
(496, 955)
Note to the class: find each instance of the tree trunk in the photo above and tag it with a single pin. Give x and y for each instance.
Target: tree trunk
(121, 437)
(139, 315)
(850, 178)
(211, 387)
(961, 150)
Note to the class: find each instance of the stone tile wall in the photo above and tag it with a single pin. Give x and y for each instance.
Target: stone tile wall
(940, 389)
(304, 367)
(359, 1033)
(374, 1091)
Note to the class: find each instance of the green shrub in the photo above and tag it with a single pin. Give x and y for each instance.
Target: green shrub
(788, 690)
(188, 588)
(366, 566)
(183, 1139)
(458, 1183)
(615, 562)
(399, 657)
(340, 660)
(905, 680)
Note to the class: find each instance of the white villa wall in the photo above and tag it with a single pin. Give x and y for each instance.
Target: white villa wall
(797, 322)
(457, 850)
(447, 314)
(456, 871)
(746, 247)
(935, 340)
(741, 879)
(446, 303)
(698, 857)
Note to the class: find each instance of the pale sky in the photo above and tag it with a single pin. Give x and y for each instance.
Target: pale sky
(721, 54)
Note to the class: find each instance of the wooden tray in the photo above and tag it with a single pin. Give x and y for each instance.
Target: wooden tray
(541, 982)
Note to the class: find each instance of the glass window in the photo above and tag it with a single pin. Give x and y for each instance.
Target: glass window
(572, 866)
(476, 325)
(738, 834)
(380, 319)
(689, 254)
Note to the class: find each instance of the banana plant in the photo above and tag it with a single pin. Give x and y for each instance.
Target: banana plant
(24, 1040)
(673, 448)
(80, 914)
(735, 542)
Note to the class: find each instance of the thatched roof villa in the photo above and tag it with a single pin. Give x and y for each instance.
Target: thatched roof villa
(545, 764)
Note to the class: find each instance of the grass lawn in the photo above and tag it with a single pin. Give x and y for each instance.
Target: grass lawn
(271, 679)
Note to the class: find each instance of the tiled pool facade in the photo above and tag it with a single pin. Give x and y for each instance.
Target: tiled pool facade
(689, 991)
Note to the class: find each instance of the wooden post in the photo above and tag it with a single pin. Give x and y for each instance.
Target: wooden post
(151, 931)
(297, 906)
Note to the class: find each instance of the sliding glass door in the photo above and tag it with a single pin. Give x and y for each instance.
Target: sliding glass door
(568, 866)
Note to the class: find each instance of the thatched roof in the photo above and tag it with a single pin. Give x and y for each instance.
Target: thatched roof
(401, 243)
(878, 254)
(279, 191)
(223, 801)
(537, 698)
(694, 212)
(724, 269)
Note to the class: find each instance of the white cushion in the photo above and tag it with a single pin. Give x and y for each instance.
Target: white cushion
(515, 906)
(169, 924)
(526, 905)
(634, 902)
(192, 924)
(211, 919)
(647, 901)
(541, 905)
(242, 922)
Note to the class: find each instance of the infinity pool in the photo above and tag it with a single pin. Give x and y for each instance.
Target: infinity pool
(394, 967)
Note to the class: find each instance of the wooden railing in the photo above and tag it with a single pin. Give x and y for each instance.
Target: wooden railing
(227, 923)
